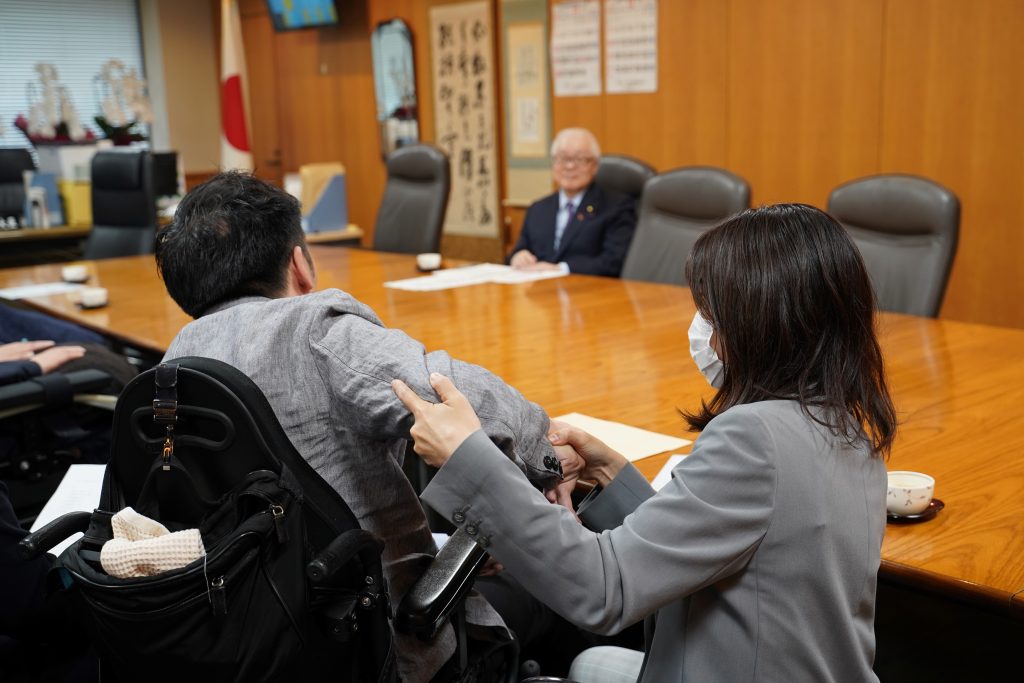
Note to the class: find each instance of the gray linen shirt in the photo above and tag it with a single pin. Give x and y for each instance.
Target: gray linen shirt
(325, 362)
(759, 558)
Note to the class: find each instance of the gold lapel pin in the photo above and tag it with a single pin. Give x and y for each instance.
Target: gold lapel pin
(590, 209)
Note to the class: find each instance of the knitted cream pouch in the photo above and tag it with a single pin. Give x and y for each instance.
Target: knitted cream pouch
(144, 547)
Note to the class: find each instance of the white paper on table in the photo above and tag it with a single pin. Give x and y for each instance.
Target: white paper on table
(43, 289)
(475, 274)
(79, 491)
(632, 442)
(515, 277)
(424, 284)
(471, 275)
(665, 475)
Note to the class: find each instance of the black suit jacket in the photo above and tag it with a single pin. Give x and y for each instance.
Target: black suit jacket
(596, 238)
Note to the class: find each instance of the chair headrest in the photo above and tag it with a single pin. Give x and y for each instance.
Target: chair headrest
(896, 204)
(700, 192)
(417, 162)
(622, 173)
(14, 162)
(118, 170)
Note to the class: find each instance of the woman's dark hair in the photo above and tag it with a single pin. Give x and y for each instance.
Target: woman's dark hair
(232, 236)
(792, 306)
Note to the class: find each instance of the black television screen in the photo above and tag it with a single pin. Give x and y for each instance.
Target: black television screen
(292, 14)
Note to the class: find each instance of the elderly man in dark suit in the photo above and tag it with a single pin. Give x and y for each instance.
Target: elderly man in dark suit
(581, 228)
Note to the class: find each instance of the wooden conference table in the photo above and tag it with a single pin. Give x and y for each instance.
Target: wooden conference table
(618, 350)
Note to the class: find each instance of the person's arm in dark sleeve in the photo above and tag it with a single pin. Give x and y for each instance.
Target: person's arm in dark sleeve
(21, 590)
(12, 371)
(617, 237)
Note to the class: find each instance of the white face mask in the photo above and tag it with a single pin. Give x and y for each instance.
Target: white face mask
(708, 362)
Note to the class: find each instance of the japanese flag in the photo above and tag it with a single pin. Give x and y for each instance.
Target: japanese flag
(234, 129)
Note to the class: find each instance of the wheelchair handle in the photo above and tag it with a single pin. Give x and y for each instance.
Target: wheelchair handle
(341, 550)
(38, 542)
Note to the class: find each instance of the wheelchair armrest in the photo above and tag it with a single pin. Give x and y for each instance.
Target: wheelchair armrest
(55, 388)
(442, 587)
(38, 542)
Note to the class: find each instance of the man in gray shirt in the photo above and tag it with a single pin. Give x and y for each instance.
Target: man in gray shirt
(235, 259)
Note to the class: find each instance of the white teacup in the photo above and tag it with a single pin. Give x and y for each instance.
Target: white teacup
(74, 273)
(93, 297)
(428, 261)
(909, 493)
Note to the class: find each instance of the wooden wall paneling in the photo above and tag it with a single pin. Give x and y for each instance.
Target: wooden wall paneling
(953, 111)
(804, 95)
(197, 177)
(684, 122)
(327, 108)
(693, 63)
(260, 60)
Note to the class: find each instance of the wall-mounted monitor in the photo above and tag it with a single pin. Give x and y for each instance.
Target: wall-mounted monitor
(293, 14)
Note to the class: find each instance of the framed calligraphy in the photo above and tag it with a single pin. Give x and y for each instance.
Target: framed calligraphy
(462, 46)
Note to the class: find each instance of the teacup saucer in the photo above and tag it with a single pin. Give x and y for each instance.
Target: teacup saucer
(929, 512)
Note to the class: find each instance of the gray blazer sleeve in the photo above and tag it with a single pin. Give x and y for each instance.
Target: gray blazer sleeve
(607, 509)
(358, 360)
(704, 525)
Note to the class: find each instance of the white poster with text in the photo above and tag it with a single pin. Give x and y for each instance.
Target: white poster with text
(576, 48)
(631, 45)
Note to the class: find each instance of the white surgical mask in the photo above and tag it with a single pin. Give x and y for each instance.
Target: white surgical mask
(708, 362)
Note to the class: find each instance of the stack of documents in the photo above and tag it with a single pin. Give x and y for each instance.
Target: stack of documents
(632, 442)
(79, 491)
(471, 275)
(43, 289)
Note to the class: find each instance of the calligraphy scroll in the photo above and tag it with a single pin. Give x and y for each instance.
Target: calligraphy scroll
(462, 45)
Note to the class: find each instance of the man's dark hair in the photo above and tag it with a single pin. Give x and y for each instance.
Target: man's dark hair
(232, 236)
(790, 300)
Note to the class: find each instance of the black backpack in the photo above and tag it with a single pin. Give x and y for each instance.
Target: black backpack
(290, 588)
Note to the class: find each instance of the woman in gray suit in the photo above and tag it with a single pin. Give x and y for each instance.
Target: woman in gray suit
(758, 561)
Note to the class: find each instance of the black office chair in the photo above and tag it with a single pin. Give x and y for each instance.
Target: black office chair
(13, 164)
(123, 205)
(290, 589)
(42, 432)
(676, 208)
(412, 210)
(907, 230)
(623, 174)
